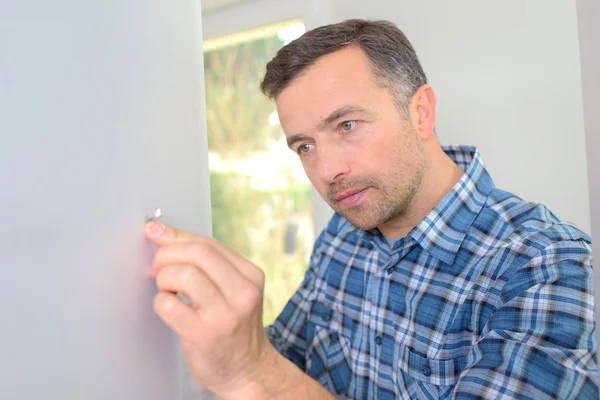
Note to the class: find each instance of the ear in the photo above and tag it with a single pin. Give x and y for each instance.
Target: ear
(422, 111)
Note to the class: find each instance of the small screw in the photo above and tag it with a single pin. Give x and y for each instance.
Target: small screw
(157, 214)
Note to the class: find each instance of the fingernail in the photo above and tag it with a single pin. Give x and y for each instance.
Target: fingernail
(156, 229)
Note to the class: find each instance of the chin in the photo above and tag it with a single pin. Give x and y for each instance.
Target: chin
(362, 220)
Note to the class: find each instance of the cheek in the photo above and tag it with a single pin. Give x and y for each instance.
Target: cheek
(377, 157)
(388, 149)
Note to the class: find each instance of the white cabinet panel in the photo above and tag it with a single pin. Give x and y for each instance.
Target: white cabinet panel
(101, 121)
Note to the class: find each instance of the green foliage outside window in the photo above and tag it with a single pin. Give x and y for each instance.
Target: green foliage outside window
(269, 223)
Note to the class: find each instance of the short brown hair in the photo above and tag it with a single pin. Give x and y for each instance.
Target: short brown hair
(393, 59)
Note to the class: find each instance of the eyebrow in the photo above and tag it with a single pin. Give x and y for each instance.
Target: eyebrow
(296, 138)
(334, 116)
(340, 113)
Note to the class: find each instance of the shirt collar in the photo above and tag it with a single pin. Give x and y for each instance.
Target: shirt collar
(442, 232)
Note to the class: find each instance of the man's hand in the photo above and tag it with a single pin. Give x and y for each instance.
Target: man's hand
(221, 331)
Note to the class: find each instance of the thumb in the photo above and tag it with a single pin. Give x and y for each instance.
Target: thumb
(162, 234)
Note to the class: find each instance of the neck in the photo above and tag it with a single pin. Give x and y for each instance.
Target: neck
(441, 174)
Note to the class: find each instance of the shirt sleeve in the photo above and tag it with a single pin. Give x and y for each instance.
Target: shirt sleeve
(288, 332)
(539, 343)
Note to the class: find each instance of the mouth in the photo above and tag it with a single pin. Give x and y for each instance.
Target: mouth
(351, 197)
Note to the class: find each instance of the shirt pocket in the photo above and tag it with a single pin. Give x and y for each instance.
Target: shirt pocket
(329, 348)
(417, 374)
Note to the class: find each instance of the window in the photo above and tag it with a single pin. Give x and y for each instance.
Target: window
(261, 197)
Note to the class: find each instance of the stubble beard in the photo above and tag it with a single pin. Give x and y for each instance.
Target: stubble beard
(390, 195)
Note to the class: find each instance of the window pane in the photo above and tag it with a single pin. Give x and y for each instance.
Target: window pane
(261, 203)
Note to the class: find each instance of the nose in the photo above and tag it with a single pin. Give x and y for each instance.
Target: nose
(333, 164)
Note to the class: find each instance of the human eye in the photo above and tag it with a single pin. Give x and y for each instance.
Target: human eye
(304, 148)
(347, 126)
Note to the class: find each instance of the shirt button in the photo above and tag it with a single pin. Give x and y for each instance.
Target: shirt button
(389, 270)
(326, 316)
(378, 340)
(426, 370)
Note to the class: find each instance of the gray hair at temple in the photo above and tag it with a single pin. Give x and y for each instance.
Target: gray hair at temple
(393, 59)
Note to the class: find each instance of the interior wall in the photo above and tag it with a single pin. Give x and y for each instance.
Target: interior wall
(101, 122)
(588, 12)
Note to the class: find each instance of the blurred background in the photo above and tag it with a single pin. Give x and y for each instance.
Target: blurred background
(510, 77)
(260, 195)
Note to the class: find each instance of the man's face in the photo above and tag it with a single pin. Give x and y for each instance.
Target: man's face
(362, 156)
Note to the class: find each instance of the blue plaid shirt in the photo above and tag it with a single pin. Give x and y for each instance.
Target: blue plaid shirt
(488, 297)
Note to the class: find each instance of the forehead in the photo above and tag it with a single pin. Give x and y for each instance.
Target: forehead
(333, 81)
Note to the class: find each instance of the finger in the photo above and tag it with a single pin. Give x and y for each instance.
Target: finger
(191, 282)
(218, 269)
(162, 234)
(248, 269)
(177, 315)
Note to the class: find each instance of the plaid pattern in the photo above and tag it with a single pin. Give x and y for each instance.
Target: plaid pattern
(488, 297)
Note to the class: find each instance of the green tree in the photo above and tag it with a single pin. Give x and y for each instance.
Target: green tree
(237, 112)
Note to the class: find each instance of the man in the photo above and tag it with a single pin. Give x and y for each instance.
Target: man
(429, 282)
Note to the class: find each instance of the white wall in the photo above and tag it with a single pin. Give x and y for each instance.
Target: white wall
(101, 121)
(588, 12)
